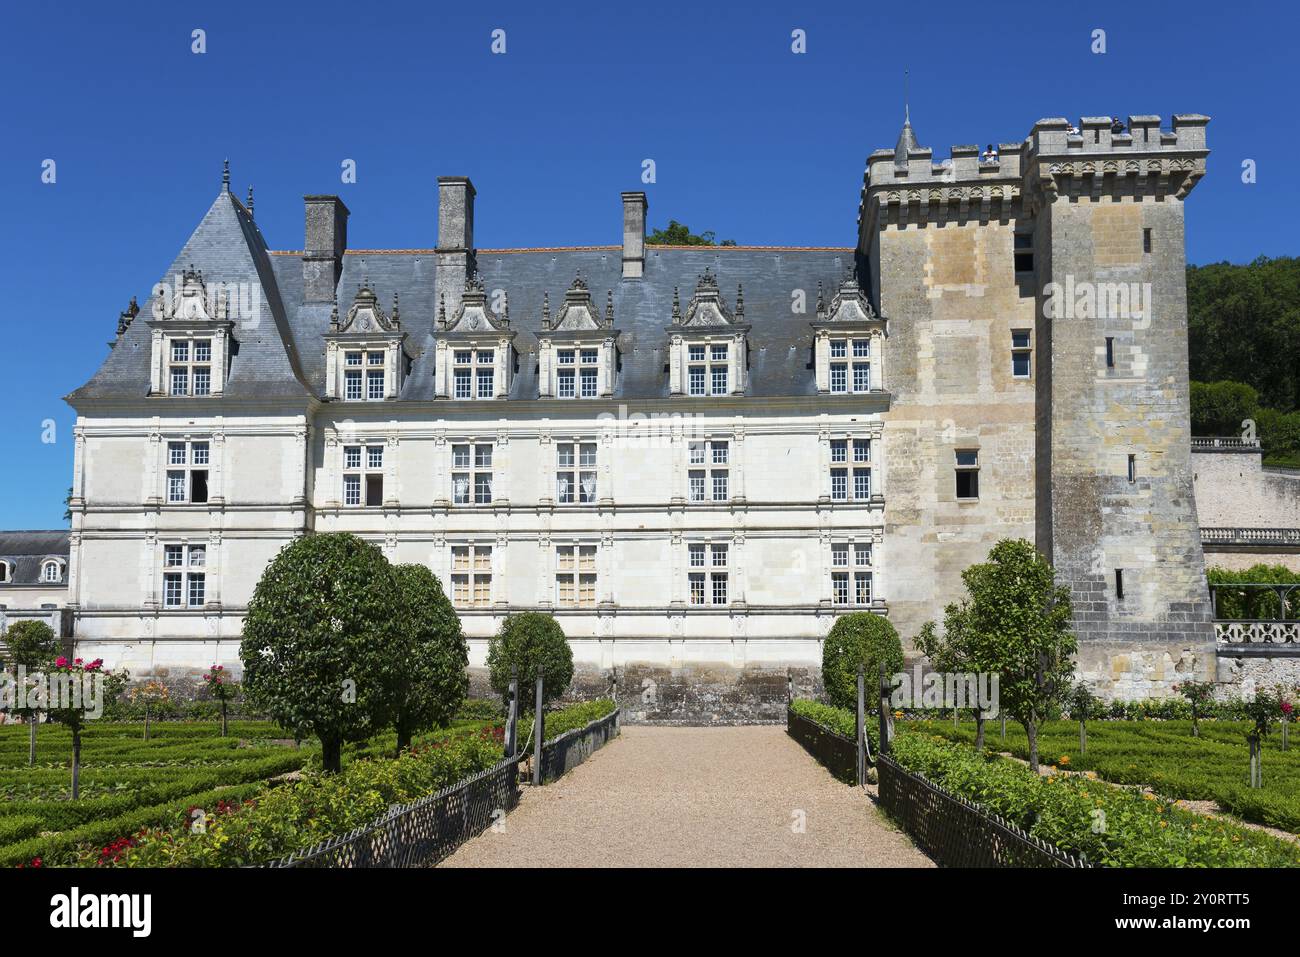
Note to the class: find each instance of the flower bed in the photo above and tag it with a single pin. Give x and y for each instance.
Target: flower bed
(1110, 826)
(1164, 756)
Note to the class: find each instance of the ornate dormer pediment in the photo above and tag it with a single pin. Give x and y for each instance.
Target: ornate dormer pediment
(366, 317)
(190, 301)
(578, 313)
(849, 305)
(474, 315)
(707, 307)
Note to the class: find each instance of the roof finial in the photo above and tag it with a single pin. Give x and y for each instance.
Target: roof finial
(225, 176)
(249, 204)
(546, 310)
(442, 310)
(907, 111)
(397, 319)
(677, 308)
(609, 307)
(740, 301)
(334, 313)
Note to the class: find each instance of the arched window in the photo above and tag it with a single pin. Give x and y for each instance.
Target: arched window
(51, 571)
(4, 571)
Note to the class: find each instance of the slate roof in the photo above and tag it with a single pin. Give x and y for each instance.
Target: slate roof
(25, 550)
(285, 356)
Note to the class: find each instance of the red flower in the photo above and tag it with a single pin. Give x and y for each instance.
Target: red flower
(61, 662)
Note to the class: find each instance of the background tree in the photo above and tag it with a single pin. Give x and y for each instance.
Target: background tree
(677, 234)
(1016, 620)
(1083, 704)
(433, 682)
(222, 688)
(1199, 694)
(151, 695)
(33, 646)
(322, 641)
(525, 642)
(858, 638)
(951, 653)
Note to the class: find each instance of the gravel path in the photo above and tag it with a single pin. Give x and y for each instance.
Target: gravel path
(694, 797)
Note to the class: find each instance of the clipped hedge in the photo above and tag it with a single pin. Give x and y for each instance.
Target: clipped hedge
(566, 719)
(859, 638)
(1110, 826)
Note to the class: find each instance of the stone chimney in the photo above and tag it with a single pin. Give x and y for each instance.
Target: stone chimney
(455, 252)
(634, 210)
(326, 239)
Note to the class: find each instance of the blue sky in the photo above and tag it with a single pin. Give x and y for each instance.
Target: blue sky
(749, 139)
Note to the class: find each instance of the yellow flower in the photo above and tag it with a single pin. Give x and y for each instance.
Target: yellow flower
(1148, 796)
(1090, 774)
(898, 714)
(1164, 823)
(1065, 759)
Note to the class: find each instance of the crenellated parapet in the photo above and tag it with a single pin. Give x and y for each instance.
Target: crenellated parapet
(906, 185)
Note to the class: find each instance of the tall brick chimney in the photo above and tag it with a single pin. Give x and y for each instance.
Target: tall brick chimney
(326, 239)
(455, 252)
(634, 210)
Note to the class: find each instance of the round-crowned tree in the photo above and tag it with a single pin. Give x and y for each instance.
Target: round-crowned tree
(433, 681)
(323, 641)
(33, 646)
(859, 638)
(525, 642)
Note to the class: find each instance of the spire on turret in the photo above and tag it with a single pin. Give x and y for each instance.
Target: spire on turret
(249, 204)
(225, 176)
(906, 138)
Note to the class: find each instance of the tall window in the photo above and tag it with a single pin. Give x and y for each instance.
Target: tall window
(1020, 353)
(1023, 250)
(185, 579)
(575, 480)
(968, 473)
(709, 476)
(577, 374)
(471, 478)
(364, 375)
(363, 475)
(708, 573)
(473, 373)
(851, 573)
(707, 370)
(189, 369)
(850, 470)
(471, 575)
(850, 365)
(575, 576)
(187, 472)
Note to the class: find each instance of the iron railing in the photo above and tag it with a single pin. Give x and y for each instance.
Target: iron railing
(956, 832)
(423, 832)
(570, 749)
(835, 752)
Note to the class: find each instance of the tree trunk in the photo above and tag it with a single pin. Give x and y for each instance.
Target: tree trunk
(224, 726)
(331, 756)
(979, 730)
(1031, 732)
(403, 738)
(76, 763)
(1196, 728)
(146, 722)
(1083, 738)
(31, 738)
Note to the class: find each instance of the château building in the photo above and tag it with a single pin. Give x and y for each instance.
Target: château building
(694, 457)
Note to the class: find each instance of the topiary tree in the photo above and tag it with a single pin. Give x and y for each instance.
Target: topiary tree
(151, 694)
(222, 688)
(1016, 623)
(859, 638)
(322, 642)
(525, 642)
(33, 646)
(1199, 694)
(1083, 704)
(433, 682)
(76, 695)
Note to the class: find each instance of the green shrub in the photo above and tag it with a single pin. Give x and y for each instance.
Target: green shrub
(565, 719)
(859, 638)
(322, 648)
(481, 709)
(524, 643)
(1136, 828)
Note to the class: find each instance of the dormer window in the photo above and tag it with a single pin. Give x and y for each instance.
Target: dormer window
(708, 346)
(4, 572)
(51, 572)
(848, 342)
(577, 350)
(474, 356)
(365, 353)
(191, 334)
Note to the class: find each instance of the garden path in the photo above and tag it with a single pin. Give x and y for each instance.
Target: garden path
(691, 797)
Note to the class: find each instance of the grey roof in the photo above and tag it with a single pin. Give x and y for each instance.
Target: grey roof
(906, 143)
(25, 550)
(286, 356)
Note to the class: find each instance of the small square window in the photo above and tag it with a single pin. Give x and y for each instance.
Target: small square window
(695, 353)
(720, 353)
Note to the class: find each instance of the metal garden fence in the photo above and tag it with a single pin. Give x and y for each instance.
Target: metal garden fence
(837, 753)
(573, 747)
(423, 832)
(956, 832)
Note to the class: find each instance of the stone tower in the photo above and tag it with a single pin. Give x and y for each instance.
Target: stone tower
(1036, 299)
(1115, 510)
